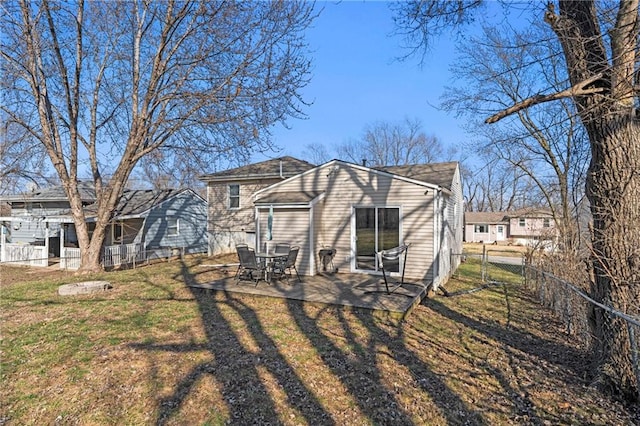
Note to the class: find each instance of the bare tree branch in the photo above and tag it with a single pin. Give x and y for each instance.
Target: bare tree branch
(579, 89)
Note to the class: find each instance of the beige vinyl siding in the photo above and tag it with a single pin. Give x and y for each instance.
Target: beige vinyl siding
(224, 219)
(456, 217)
(290, 225)
(347, 187)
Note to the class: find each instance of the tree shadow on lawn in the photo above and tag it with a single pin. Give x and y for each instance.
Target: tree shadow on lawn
(239, 372)
(522, 349)
(564, 356)
(364, 380)
(236, 369)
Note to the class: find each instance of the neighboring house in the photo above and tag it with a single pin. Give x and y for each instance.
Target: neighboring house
(145, 222)
(521, 227)
(231, 212)
(486, 227)
(359, 210)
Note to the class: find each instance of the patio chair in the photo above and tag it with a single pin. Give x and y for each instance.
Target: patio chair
(249, 265)
(282, 248)
(392, 255)
(281, 267)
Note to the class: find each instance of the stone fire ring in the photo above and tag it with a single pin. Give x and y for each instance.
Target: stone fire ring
(86, 287)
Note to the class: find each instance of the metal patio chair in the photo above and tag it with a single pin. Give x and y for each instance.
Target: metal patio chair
(282, 248)
(287, 263)
(249, 267)
(392, 255)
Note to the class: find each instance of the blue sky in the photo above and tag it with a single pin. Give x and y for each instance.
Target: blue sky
(357, 80)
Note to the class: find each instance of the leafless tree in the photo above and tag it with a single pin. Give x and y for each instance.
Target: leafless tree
(547, 143)
(392, 144)
(102, 85)
(22, 162)
(599, 45)
(495, 186)
(316, 153)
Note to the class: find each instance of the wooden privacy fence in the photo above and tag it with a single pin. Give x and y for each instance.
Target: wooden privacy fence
(572, 305)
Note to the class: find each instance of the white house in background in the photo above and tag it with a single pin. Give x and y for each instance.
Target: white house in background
(520, 227)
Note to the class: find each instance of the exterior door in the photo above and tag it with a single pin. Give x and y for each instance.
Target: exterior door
(500, 232)
(376, 229)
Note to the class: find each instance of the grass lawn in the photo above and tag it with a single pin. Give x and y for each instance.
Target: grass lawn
(152, 351)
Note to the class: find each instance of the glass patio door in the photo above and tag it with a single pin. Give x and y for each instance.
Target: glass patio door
(376, 228)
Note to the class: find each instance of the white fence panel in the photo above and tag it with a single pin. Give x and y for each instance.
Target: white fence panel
(70, 258)
(122, 254)
(25, 254)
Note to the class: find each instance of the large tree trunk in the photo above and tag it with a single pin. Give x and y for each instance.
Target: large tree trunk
(607, 108)
(613, 188)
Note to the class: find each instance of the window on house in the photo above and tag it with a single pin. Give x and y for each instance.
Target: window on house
(117, 232)
(546, 223)
(173, 226)
(522, 222)
(234, 196)
(481, 229)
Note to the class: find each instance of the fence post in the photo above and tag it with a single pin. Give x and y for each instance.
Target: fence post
(3, 242)
(484, 263)
(634, 355)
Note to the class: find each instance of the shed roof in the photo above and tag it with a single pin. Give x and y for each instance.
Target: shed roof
(282, 167)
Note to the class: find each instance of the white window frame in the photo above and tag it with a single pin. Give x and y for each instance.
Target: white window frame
(173, 230)
(522, 222)
(478, 228)
(546, 222)
(233, 197)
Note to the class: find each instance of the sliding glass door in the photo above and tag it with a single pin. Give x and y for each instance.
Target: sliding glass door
(376, 229)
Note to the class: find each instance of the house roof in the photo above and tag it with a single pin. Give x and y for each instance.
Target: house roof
(440, 174)
(54, 193)
(486, 217)
(136, 203)
(503, 217)
(282, 167)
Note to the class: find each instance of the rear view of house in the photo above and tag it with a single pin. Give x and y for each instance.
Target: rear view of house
(349, 210)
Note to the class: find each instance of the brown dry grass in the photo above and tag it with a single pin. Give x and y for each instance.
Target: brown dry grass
(152, 351)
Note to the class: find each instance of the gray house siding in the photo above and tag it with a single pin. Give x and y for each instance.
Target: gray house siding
(179, 222)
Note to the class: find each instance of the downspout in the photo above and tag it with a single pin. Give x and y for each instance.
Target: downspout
(436, 238)
(281, 175)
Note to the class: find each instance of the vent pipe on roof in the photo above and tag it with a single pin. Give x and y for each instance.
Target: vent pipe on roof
(364, 162)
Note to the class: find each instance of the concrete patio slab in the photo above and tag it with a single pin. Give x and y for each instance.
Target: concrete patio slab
(354, 290)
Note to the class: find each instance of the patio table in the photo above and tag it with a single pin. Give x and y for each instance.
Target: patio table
(269, 258)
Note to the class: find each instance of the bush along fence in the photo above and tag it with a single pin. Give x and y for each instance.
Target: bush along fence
(572, 305)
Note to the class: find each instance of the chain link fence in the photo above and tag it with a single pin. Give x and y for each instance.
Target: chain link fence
(572, 305)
